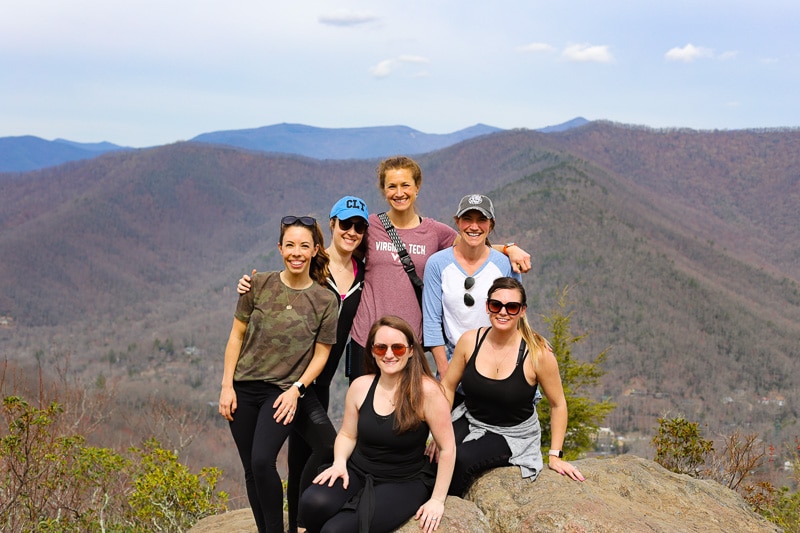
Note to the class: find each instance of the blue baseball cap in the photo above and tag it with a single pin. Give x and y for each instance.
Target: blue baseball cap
(349, 207)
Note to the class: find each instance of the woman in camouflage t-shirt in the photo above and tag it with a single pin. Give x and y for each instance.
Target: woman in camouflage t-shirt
(282, 333)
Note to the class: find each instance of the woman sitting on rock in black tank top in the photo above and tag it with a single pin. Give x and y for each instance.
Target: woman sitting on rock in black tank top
(380, 476)
(499, 369)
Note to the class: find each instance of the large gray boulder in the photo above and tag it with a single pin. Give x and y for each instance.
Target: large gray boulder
(624, 493)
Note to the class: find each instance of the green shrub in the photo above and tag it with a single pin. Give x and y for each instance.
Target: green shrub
(51, 481)
(584, 413)
(166, 495)
(680, 447)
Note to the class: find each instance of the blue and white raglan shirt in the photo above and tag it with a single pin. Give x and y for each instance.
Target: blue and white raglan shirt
(445, 315)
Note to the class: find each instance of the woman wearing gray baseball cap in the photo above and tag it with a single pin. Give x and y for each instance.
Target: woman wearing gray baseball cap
(458, 278)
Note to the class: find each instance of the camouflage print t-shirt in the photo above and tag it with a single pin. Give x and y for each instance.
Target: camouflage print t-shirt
(279, 342)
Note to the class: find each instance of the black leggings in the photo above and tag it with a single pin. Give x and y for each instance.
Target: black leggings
(395, 503)
(475, 457)
(259, 439)
(303, 462)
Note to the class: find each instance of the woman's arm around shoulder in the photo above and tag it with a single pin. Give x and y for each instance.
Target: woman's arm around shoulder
(244, 282)
(520, 259)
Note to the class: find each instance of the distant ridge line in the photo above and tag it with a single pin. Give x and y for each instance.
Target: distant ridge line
(27, 153)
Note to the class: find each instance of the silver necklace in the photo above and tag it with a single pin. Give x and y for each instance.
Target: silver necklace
(389, 395)
(498, 362)
(286, 293)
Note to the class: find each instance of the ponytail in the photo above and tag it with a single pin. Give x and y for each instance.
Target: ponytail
(536, 343)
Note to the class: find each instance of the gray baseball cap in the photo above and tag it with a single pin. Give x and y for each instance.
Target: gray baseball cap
(477, 202)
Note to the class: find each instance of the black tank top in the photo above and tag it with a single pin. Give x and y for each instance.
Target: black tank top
(500, 402)
(382, 452)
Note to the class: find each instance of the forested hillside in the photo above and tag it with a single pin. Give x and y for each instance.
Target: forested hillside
(680, 248)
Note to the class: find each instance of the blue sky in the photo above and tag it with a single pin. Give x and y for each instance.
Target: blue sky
(152, 72)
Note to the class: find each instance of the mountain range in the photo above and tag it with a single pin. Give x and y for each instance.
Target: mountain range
(680, 250)
(25, 153)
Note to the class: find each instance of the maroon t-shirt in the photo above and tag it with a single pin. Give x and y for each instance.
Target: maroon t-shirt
(387, 289)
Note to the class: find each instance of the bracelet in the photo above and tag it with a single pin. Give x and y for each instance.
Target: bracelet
(556, 453)
(506, 246)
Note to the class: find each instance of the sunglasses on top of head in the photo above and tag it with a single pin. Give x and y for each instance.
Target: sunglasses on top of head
(358, 224)
(495, 306)
(398, 350)
(305, 221)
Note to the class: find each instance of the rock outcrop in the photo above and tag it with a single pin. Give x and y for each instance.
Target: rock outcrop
(624, 493)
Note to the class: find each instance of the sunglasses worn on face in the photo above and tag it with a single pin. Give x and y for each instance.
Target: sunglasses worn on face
(469, 282)
(398, 350)
(495, 306)
(359, 225)
(306, 221)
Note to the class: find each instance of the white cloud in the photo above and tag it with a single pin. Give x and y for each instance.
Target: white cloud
(689, 53)
(730, 54)
(388, 66)
(347, 18)
(384, 68)
(413, 59)
(535, 47)
(586, 53)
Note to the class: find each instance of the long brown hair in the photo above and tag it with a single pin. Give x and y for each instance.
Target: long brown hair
(409, 398)
(536, 343)
(318, 269)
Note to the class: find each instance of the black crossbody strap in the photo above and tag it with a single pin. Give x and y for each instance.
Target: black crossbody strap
(405, 259)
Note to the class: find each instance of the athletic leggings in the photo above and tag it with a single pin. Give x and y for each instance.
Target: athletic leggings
(475, 457)
(303, 463)
(395, 503)
(259, 438)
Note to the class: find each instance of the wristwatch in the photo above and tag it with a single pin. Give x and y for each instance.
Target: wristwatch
(300, 387)
(556, 453)
(506, 246)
